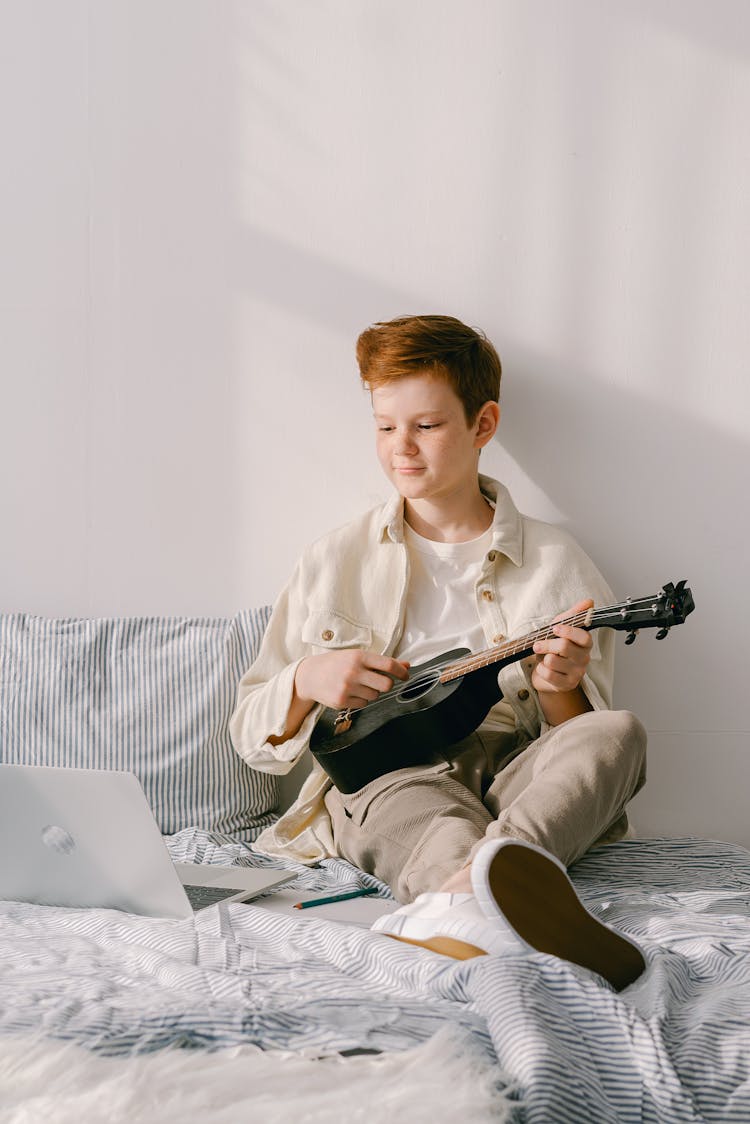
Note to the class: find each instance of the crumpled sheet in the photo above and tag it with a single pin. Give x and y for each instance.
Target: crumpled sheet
(673, 1047)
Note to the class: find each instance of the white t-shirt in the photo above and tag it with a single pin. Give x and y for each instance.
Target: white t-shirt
(441, 608)
(441, 605)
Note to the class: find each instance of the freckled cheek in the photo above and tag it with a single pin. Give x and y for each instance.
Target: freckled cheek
(383, 453)
(446, 451)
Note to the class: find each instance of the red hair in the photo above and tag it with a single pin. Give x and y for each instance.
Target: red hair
(440, 345)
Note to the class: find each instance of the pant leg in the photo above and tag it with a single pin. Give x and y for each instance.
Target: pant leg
(567, 790)
(414, 828)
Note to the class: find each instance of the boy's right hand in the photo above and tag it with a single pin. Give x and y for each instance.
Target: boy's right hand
(347, 678)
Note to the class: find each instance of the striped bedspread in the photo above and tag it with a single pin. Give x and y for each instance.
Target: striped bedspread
(673, 1047)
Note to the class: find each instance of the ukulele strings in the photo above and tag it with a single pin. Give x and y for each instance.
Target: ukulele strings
(473, 662)
(514, 647)
(588, 618)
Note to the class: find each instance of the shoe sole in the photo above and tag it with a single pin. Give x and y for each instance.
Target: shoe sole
(445, 946)
(537, 899)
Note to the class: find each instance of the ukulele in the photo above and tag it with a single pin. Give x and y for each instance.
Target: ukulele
(446, 698)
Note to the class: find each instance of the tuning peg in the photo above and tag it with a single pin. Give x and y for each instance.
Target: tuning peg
(662, 633)
(630, 638)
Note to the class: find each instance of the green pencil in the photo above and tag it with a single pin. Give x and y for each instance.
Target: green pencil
(361, 893)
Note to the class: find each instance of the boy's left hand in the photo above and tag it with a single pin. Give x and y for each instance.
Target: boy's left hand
(562, 661)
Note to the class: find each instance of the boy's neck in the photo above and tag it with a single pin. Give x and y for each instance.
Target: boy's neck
(454, 519)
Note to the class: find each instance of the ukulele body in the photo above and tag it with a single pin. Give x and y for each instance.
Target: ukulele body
(409, 725)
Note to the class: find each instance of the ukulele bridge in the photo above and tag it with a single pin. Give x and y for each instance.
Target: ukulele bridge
(342, 722)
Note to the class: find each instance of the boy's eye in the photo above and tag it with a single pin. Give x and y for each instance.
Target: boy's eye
(420, 425)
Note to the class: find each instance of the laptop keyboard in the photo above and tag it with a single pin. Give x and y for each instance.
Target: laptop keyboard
(202, 896)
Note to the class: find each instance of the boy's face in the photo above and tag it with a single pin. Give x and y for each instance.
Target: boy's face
(424, 444)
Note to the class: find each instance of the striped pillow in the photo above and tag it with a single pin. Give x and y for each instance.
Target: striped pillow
(151, 695)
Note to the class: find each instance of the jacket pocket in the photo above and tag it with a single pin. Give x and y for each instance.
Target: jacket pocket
(328, 630)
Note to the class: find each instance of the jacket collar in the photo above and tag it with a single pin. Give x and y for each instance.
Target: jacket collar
(507, 525)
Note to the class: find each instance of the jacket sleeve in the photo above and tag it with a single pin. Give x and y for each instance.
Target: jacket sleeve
(515, 683)
(574, 578)
(266, 690)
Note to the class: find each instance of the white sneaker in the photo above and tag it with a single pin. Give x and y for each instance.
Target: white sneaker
(452, 924)
(529, 890)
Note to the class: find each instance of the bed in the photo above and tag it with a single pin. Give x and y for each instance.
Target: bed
(243, 1013)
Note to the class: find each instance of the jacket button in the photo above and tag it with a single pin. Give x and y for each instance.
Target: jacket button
(488, 595)
(498, 639)
(327, 635)
(523, 694)
(492, 556)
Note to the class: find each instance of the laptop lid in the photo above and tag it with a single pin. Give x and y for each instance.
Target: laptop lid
(88, 838)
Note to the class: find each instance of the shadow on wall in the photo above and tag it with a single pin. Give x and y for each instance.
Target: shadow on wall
(318, 289)
(659, 494)
(723, 27)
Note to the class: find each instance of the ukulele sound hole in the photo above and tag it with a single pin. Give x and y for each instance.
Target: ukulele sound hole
(418, 688)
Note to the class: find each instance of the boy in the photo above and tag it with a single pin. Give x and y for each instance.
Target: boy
(477, 845)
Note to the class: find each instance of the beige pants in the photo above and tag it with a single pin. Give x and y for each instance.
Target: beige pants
(566, 791)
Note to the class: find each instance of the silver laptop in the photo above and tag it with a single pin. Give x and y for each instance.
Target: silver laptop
(88, 838)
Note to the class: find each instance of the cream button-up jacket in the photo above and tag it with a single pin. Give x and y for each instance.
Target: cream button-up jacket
(349, 590)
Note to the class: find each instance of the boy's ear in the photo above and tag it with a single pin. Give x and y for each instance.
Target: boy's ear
(487, 423)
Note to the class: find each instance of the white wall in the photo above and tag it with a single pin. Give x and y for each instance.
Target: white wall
(202, 204)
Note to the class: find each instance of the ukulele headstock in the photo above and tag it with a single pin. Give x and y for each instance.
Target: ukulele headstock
(665, 609)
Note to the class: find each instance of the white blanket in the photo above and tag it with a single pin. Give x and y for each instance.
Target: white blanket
(447, 1078)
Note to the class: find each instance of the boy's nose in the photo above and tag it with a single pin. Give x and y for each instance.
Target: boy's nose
(406, 446)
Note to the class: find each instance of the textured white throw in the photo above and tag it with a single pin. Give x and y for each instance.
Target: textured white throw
(446, 1079)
